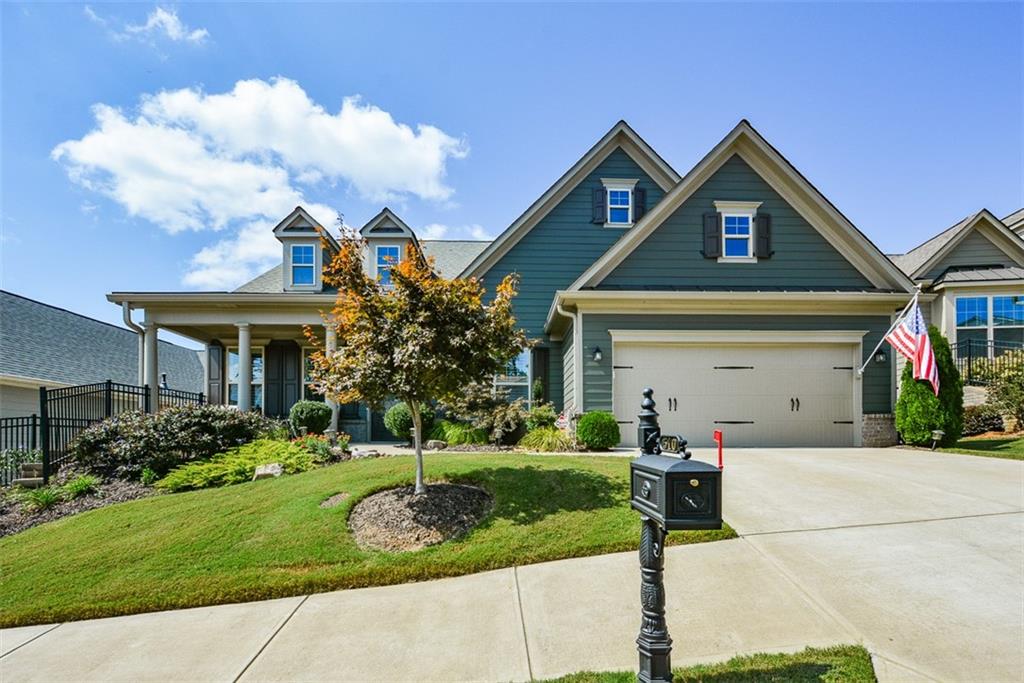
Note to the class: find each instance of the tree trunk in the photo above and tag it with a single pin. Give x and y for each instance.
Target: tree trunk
(417, 422)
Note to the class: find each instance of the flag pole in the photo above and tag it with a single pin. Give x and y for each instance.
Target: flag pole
(899, 318)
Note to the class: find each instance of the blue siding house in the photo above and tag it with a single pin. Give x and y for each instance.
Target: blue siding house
(737, 291)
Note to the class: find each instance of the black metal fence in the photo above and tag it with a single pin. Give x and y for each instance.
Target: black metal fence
(19, 443)
(980, 361)
(65, 412)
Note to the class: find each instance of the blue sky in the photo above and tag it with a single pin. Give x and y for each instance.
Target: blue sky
(150, 147)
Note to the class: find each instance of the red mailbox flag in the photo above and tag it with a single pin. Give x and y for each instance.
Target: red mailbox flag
(718, 440)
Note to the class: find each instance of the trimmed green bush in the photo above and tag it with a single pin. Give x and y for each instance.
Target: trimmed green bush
(458, 433)
(919, 411)
(314, 416)
(123, 446)
(547, 440)
(542, 415)
(598, 430)
(237, 466)
(981, 419)
(398, 420)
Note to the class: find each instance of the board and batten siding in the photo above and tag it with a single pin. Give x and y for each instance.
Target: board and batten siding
(597, 377)
(671, 256)
(975, 250)
(560, 247)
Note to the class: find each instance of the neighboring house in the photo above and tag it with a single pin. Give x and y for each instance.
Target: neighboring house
(975, 271)
(738, 292)
(42, 345)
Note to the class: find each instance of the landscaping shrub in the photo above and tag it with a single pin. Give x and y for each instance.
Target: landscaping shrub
(542, 415)
(458, 433)
(1007, 393)
(317, 446)
(547, 440)
(919, 411)
(488, 408)
(148, 477)
(313, 416)
(37, 500)
(81, 485)
(981, 419)
(398, 420)
(598, 430)
(124, 445)
(237, 465)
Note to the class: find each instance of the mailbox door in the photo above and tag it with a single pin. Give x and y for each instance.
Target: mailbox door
(694, 501)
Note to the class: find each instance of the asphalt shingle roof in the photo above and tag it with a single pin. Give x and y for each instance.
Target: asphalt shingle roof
(916, 257)
(43, 342)
(450, 258)
(1015, 221)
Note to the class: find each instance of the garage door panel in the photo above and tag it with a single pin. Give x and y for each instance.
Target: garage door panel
(750, 392)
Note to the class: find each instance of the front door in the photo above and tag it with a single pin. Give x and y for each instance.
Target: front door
(282, 378)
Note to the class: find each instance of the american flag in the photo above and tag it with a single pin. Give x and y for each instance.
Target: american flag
(910, 337)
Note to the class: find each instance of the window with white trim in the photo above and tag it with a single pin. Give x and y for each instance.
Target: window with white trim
(737, 235)
(303, 265)
(387, 256)
(517, 377)
(620, 206)
(989, 325)
(256, 380)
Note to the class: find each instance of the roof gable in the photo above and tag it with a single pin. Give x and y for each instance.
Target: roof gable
(300, 223)
(980, 240)
(386, 224)
(621, 136)
(777, 172)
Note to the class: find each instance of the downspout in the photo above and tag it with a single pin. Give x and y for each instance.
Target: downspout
(126, 311)
(577, 357)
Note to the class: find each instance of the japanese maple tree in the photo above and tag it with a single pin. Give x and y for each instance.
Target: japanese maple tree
(423, 338)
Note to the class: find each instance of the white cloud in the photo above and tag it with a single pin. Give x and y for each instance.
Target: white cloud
(439, 231)
(160, 23)
(241, 160)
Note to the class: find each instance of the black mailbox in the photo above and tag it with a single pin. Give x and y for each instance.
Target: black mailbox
(677, 494)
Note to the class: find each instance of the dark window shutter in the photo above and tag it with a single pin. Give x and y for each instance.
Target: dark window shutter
(639, 203)
(600, 197)
(712, 235)
(764, 236)
(215, 370)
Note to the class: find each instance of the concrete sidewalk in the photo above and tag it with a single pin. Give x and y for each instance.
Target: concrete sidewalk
(918, 556)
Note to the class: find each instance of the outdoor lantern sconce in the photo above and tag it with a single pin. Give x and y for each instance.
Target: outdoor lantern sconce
(597, 354)
(880, 356)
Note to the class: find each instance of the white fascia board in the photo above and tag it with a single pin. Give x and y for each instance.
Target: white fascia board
(703, 337)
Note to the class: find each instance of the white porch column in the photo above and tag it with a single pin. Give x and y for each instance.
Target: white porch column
(151, 366)
(331, 346)
(244, 367)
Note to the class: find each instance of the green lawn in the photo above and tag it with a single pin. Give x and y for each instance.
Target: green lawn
(1010, 447)
(846, 663)
(270, 538)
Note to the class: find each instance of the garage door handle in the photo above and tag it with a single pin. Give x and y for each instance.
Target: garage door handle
(798, 405)
(792, 405)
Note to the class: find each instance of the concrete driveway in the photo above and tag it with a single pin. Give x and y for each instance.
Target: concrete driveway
(918, 556)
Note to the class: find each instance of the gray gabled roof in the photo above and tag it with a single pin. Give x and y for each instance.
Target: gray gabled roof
(450, 258)
(919, 255)
(982, 275)
(42, 342)
(1015, 221)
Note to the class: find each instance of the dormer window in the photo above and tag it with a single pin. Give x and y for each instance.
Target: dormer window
(303, 265)
(387, 256)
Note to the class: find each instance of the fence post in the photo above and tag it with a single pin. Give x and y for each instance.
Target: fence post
(970, 360)
(34, 426)
(44, 434)
(108, 399)
(147, 398)
(202, 398)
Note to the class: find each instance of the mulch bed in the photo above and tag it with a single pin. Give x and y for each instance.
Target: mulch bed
(13, 519)
(398, 520)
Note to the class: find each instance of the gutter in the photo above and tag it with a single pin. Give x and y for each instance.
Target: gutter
(126, 313)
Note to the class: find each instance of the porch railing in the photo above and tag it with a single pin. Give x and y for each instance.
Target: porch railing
(980, 361)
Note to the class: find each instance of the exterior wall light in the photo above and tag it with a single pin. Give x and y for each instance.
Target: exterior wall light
(880, 356)
(597, 354)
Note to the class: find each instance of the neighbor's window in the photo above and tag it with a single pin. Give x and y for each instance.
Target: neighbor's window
(303, 261)
(620, 207)
(256, 380)
(386, 257)
(736, 236)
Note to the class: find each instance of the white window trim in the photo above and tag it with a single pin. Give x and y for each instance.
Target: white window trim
(990, 326)
(621, 184)
(746, 210)
(263, 380)
(376, 257)
(292, 265)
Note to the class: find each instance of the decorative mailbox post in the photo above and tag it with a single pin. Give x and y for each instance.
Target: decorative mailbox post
(672, 493)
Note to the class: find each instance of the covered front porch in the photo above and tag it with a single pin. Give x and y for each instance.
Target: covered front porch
(256, 352)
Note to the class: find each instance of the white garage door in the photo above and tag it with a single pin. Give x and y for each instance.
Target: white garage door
(758, 395)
